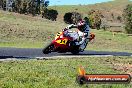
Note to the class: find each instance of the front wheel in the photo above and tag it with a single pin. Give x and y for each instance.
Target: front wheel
(48, 49)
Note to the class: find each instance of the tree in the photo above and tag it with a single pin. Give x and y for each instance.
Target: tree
(50, 14)
(119, 18)
(128, 18)
(31, 7)
(23, 8)
(72, 17)
(95, 19)
(1, 2)
(38, 7)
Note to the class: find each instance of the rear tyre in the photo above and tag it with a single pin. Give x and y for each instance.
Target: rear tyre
(75, 50)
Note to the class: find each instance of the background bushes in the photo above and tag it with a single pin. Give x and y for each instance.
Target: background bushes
(95, 19)
(34, 7)
(72, 17)
(128, 18)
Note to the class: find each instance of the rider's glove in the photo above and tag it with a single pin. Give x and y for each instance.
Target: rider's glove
(65, 29)
(71, 26)
(68, 27)
(85, 34)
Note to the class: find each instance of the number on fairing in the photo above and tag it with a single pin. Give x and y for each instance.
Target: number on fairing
(62, 41)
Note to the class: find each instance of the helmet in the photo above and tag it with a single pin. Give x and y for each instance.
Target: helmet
(81, 25)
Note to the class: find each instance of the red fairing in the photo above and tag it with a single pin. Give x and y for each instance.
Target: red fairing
(62, 43)
(62, 47)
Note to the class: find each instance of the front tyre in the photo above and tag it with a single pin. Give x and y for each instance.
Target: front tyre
(48, 49)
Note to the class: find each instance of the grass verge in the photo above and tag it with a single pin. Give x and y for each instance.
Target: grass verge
(60, 73)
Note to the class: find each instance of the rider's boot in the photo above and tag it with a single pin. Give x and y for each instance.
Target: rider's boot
(82, 47)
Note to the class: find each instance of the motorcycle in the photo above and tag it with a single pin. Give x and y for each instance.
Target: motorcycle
(62, 44)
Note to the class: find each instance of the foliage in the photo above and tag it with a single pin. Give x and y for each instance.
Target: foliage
(72, 17)
(26, 6)
(119, 18)
(50, 14)
(3, 4)
(33, 7)
(94, 19)
(128, 18)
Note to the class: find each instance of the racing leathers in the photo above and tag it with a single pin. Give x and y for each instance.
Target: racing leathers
(81, 37)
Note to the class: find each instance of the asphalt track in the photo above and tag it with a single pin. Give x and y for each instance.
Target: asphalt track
(25, 53)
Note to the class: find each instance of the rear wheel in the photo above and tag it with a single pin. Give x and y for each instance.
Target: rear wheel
(48, 49)
(75, 50)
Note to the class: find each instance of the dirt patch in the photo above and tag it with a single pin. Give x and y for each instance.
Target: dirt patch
(10, 30)
(28, 34)
(125, 68)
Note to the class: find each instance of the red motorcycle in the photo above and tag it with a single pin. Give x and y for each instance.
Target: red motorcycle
(62, 44)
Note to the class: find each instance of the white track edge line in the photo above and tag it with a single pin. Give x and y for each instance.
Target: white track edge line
(73, 56)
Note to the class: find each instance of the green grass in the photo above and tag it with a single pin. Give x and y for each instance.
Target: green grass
(25, 31)
(57, 73)
(105, 41)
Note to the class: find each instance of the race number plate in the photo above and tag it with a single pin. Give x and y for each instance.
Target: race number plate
(62, 41)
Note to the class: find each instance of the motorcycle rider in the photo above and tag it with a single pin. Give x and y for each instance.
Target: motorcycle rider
(81, 36)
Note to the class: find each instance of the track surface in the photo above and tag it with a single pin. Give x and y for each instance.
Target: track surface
(33, 53)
